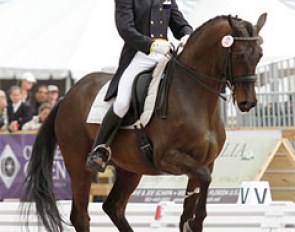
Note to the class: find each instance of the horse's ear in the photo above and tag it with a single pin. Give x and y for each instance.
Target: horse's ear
(236, 23)
(230, 20)
(261, 22)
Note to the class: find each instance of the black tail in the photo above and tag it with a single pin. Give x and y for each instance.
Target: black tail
(39, 185)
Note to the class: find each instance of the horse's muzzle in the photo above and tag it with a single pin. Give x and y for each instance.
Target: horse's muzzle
(246, 106)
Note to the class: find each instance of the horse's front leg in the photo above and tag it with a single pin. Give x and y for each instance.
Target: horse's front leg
(190, 201)
(196, 224)
(178, 162)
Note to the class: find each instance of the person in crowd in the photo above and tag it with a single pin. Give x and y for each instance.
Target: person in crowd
(40, 97)
(53, 94)
(143, 25)
(27, 80)
(18, 111)
(3, 111)
(37, 121)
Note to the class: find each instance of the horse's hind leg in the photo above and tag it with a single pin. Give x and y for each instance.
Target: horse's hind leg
(79, 215)
(80, 186)
(81, 181)
(116, 202)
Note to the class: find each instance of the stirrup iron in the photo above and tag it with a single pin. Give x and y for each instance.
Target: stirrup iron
(105, 157)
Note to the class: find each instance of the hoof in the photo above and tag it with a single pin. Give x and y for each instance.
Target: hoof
(186, 227)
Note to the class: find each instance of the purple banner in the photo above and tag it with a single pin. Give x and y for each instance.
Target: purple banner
(15, 152)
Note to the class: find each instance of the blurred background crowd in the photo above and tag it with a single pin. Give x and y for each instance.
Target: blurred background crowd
(25, 105)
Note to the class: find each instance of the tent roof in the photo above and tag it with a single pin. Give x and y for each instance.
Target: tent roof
(68, 35)
(41, 74)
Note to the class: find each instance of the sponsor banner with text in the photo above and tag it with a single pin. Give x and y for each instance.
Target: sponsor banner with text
(15, 152)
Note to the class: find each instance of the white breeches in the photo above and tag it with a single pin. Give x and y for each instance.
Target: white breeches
(139, 63)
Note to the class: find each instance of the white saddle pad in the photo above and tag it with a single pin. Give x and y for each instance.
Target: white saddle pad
(100, 107)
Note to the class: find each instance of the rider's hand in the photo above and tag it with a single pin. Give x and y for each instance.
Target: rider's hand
(184, 39)
(161, 46)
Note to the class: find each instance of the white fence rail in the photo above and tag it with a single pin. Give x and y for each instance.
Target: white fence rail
(274, 109)
(274, 217)
(276, 98)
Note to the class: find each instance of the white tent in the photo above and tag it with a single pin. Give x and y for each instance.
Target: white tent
(80, 35)
(75, 35)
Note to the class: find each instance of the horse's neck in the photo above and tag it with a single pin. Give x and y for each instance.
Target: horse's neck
(193, 98)
(203, 56)
(193, 88)
(189, 92)
(202, 52)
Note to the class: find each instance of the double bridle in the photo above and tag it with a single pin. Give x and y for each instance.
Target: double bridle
(228, 78)
(228, 69)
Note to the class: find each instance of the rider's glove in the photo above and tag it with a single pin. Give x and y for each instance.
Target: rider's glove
(184, 39)
(161, 46)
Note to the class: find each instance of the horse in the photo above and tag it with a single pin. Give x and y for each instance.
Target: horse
(225, 50)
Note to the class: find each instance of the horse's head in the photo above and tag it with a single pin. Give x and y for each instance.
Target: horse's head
(244, 52)
(229, 48)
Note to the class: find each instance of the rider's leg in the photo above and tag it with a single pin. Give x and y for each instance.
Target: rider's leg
(100, 154)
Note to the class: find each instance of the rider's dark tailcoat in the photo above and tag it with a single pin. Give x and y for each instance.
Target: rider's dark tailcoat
(139, 22)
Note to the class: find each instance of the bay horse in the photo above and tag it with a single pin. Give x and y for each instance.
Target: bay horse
(224, 49)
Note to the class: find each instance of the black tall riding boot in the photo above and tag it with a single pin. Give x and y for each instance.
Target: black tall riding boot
(100, 155)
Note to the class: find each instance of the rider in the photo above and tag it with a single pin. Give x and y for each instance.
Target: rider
(143, 25)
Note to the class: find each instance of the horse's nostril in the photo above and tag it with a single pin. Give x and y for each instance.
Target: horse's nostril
(247, 105)
(244, 103)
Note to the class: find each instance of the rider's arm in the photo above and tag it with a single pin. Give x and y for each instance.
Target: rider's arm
(126, 28)
(178, 24)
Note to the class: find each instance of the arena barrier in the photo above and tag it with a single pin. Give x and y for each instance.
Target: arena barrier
(164, 217)
(275, 88)
(275, 216)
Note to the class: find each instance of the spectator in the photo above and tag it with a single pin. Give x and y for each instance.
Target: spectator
(41, 96)
(53, 96)
(18, 111)
(26, 85)
(3, 111)
(37, 121)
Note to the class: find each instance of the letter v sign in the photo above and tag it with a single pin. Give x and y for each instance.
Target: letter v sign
(261, 200)
(244, 197)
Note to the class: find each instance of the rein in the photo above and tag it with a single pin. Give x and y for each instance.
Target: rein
(197, 77)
